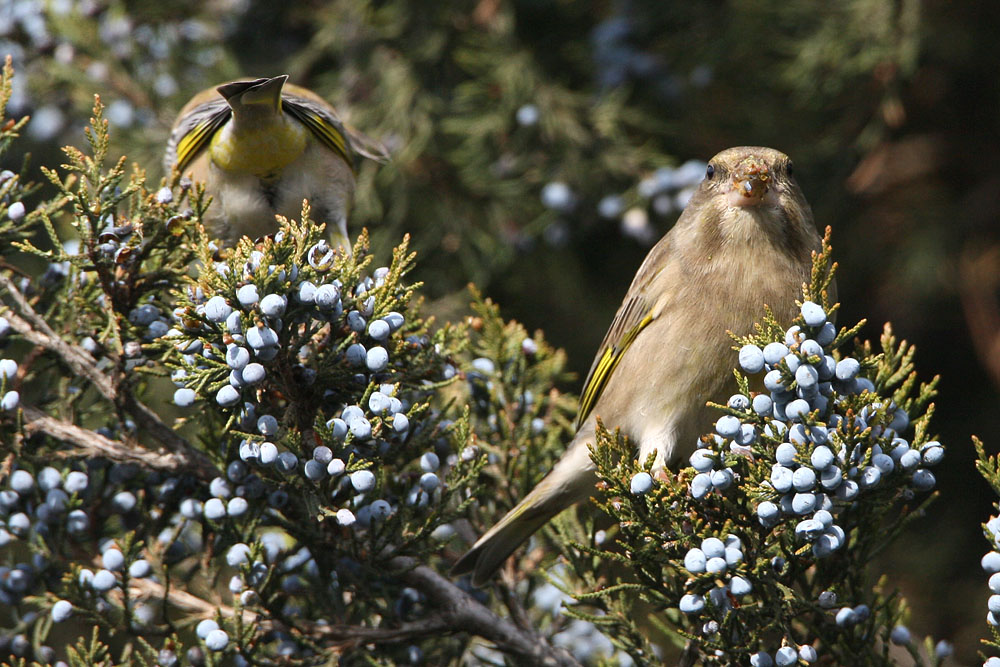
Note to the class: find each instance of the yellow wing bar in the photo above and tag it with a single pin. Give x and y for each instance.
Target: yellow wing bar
(325, 129)
(604, 368)
(199, 137)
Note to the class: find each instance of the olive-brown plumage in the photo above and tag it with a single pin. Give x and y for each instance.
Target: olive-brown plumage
(262, 146)
(745, 240)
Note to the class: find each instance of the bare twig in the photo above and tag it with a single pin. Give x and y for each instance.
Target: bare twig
(338, 634)
(89, 443)
(454, 611)
(690, 656)
(357, 634)
(510, 600)
(184, 601)
(148, 420)
(36, 330)
(460, 612)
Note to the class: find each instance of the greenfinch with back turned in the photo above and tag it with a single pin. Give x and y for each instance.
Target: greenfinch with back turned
(261, 146)
(745, 240)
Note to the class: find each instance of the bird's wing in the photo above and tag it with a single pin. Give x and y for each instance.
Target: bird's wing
(322, 122)
(331, 131)
(194, 132)
(367, 147)
(322, 112)
(637, 311)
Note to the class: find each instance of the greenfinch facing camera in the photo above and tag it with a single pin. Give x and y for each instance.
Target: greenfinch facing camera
(261, 146)
(745, 240)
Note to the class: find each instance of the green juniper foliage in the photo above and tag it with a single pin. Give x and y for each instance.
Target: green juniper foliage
(526, 421)
(989, 467)
(237, 453)
(267, 453)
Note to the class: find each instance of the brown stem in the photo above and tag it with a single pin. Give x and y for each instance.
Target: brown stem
(460, 612)
(517, 613)
(88, 443)
(690, 656)
(456, 611)
(351, 635)
(36, 330)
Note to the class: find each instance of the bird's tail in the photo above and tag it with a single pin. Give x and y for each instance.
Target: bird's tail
(571, 481)
(261, 92)
(492, 549)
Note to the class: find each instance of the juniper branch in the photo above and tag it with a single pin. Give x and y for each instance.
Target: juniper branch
(463, 613)
(88, 443)
(35, 329)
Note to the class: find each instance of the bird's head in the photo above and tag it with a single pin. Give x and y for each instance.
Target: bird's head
(748, 190)
(751, 176)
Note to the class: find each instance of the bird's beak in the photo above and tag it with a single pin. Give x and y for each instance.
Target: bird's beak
(749, 186)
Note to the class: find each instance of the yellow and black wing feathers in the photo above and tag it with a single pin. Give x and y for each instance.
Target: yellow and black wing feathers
(331, 131)
(195, 132)
(632, 318)
(322, 123)
(638, 310)
(200, 120)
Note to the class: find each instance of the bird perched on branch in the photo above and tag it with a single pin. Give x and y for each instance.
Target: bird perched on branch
(261, 146)
(745, 240)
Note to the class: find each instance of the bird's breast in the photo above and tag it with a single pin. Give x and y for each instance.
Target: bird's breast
(323, 178)
(245, 204)
(262, 149)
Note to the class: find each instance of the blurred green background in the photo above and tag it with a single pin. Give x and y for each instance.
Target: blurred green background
(539, 149)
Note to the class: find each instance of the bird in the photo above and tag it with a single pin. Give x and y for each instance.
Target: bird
(263, 145)
(744, 240)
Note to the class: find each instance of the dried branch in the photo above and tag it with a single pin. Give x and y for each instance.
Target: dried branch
(184, 601)
(350, 635)
(36, 330)
(148, 420)
(88, 444)
(336, 634)
(459, 611)
(513, 604)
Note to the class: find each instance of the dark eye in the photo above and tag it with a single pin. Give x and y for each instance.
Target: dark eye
(788, 168)
(710, 172)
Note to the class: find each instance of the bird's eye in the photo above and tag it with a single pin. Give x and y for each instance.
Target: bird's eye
(788, 168)
(710, 171)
